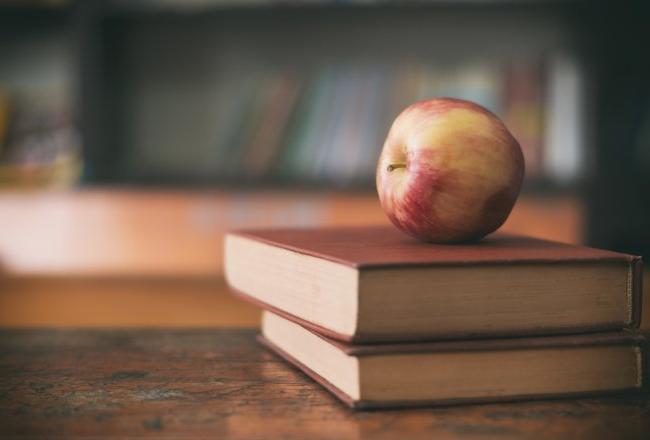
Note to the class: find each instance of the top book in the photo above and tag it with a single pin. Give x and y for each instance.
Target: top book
(375, 284)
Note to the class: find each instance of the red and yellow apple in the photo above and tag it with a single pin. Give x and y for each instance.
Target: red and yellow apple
(449, 172)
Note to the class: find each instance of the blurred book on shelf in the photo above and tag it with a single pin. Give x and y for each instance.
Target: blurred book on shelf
(39, 144)
(325, 125)
(523, 110)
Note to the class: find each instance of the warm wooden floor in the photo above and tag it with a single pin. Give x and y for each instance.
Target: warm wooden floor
(140, 258)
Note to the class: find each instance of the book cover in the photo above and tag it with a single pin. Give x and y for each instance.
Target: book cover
(558, 347)
(504, 284)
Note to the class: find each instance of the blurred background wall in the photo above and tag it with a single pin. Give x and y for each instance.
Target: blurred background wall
(134, 133)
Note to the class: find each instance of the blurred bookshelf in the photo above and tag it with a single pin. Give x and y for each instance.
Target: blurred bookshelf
(287, 94)
(272, 113)
(283, 95)
(279, 93)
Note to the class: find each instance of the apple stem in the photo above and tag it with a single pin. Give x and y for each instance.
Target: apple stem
(394, 166)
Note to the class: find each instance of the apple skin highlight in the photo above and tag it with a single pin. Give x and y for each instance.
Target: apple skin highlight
(449, 171)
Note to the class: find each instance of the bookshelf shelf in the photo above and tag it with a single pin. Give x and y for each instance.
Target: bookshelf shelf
(177, 233)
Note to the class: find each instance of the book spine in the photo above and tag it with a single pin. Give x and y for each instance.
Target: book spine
(327, 125)
(523, 111)
(636, 292)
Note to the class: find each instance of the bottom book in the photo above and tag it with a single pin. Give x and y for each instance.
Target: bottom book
(451, 372)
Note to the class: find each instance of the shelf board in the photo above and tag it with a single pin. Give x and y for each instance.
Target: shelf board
(176, 233)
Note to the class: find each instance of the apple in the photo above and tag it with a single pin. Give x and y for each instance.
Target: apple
(449, 171)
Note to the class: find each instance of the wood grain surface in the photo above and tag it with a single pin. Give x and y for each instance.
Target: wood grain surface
(220, 384)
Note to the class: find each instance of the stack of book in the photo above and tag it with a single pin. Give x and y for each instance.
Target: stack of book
(383, 320)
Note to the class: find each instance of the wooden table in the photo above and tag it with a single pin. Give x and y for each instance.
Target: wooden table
(220, 384)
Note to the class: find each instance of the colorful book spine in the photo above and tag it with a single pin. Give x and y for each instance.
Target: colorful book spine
(327, 125)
